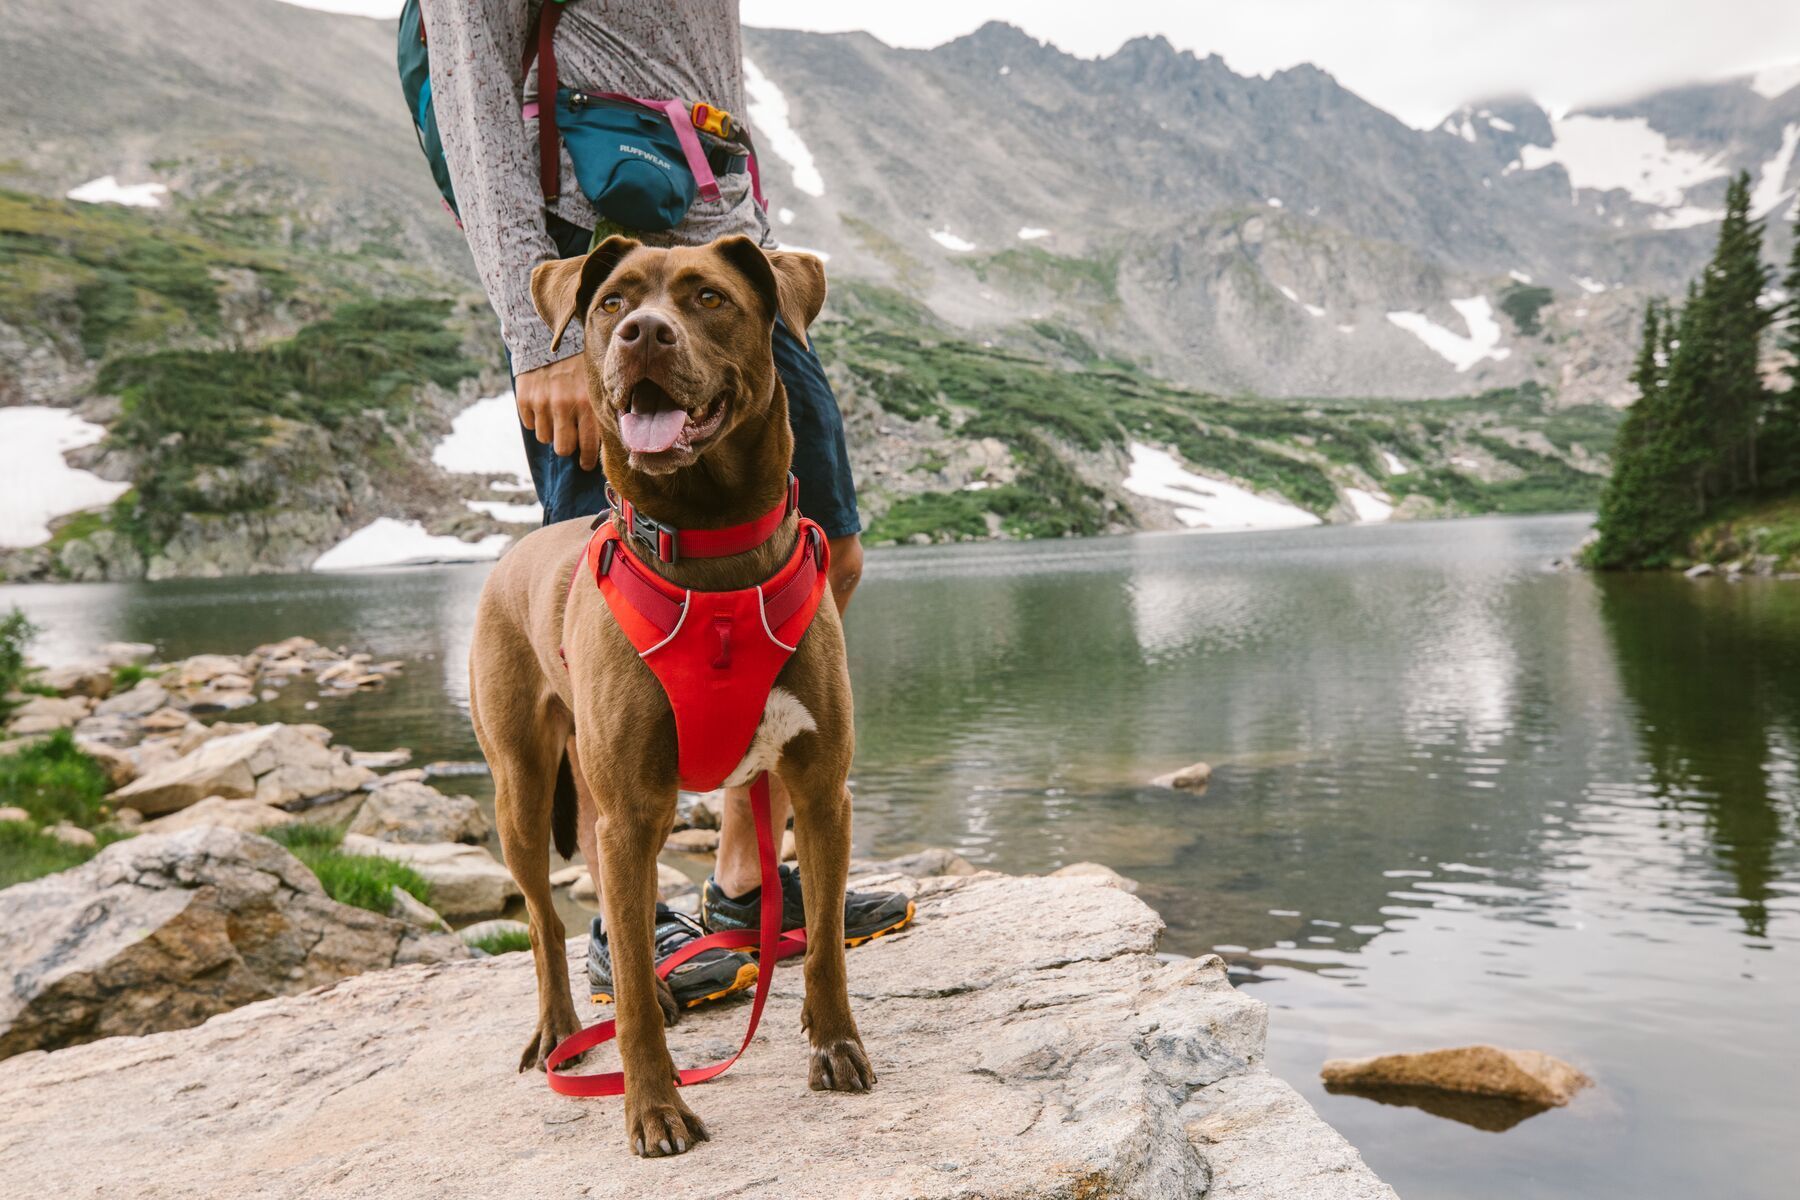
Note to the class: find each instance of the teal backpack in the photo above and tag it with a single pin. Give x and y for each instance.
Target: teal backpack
(638, 160)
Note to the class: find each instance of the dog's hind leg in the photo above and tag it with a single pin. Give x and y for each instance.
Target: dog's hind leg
(822, 835)
(523, 740)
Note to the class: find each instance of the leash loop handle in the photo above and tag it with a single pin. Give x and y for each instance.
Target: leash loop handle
(773, 946)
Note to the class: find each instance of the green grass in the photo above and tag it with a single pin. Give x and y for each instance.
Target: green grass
(509, 941)
(16, 632)
(187, 412)
(362, 880)
(130, 675)
(26, 853)
(1749, 530)
(54, 781)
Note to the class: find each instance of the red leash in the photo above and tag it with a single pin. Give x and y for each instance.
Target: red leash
(773, 946)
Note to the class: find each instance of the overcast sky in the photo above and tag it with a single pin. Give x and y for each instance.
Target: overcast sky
(1416, 58)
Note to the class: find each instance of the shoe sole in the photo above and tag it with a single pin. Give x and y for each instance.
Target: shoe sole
(746, 976)
(851, 943)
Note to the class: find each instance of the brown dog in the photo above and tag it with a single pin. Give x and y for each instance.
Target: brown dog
(678, 350)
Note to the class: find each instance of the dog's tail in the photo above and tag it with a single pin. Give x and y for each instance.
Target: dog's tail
(563, 810)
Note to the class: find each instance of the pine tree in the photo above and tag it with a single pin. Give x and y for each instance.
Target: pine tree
(1643, 508)
(1781, 425)
(1734, 281)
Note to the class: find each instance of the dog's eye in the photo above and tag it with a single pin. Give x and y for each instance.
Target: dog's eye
(612, 303)
(710, 298)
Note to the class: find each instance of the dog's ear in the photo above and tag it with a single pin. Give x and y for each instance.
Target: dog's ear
(563, 288)
(792, 283)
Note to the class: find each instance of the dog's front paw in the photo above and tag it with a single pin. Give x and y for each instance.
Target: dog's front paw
(551, 1031)
(840, 1065)
(658, 1128)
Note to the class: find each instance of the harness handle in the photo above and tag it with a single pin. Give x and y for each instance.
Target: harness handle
(773, 946)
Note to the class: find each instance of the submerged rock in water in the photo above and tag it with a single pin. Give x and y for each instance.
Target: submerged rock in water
(1060, 1060)
(1527, 1076)
(1189, 779)
(163, 931)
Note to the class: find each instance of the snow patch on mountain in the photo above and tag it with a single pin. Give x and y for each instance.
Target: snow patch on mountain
(1392, 462)
(108, 190)
(1623, 152)
(1202, 503)
(1369, 507)
(1031, 233)
(36, 483)
(950, 241)
(1482, 342)
(769, 118)
(1771, 187)
(386, 542)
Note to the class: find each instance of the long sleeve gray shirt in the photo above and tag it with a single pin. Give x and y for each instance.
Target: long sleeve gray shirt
(662, 49)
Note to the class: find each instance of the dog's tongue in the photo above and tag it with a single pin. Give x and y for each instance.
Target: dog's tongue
(653, 423)
(654, 432)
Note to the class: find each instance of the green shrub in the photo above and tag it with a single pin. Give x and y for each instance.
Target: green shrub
(54, 781)
(362, 880)
(16, 632)
(509, 941)
(1522, 303)
(129, 676)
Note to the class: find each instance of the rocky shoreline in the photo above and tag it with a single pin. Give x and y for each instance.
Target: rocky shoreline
(248, 1033)
(1065, 1061)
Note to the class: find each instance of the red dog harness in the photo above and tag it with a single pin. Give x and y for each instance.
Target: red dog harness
(717, 655)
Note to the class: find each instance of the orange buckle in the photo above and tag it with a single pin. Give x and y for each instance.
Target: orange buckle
(715, 121)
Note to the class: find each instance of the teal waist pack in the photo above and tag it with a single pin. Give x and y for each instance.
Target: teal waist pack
(628, 160)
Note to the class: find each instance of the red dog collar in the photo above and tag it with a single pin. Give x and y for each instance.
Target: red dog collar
(673, 545)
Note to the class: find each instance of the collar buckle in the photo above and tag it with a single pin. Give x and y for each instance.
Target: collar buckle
(664, 538)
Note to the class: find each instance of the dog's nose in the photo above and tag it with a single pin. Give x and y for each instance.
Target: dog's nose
(646, 331)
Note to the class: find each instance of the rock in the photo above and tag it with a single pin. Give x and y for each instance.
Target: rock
(167, 719)
(415, 912)
(119, 766)
(1699, 571)
(568, 875)
(381, 760)
(1192, 778)
(47, 714)
(205, 668)
(924, 864)
(412, 775)
(140, 701)
(1062, 1060)
(790, 850)
(483, 930)
(277, 764)
(417, 812)
(693, 841)
(125, 654)
(467, 884)
(700, 810)
(1527, 1076)
(112, 729)
(245, 816)
(671, 883)
(163, 931)
(1097, 872)
(127, 819)
(72, 835)
(14, 745)
(94, 680)
(13, 812)
(216, 699)
(295, 648)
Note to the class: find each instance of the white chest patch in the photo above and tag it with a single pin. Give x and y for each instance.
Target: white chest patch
(784, 718)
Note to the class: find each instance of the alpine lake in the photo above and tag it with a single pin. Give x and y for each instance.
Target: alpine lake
(1459, 795)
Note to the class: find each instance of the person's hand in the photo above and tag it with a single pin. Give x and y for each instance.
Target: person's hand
(553, 404)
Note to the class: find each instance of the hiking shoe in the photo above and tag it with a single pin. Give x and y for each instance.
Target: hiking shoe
(867, 915)
(708, 975)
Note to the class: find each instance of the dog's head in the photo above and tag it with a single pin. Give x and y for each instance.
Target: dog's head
(678, 340)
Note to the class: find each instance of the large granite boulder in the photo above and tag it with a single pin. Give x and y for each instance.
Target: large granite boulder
(163, 931)
(275, 764)
(1062, 1060)
(47, 714)
(418, 812)
(467, 883)
(245, 816)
